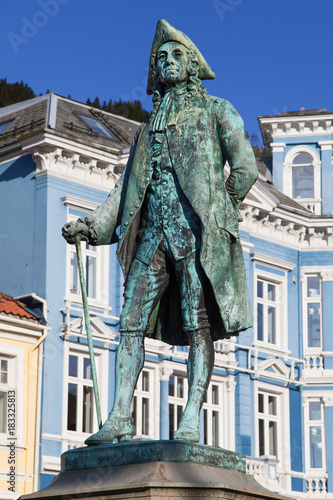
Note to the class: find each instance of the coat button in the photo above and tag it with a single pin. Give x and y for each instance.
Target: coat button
(126, 223)
(131, 213)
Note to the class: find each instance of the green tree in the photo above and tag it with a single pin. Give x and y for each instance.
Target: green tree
(10, 93)
(259, 150)
(128, 109)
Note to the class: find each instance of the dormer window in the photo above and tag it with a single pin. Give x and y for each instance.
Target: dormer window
(302, 176)
(97, 126)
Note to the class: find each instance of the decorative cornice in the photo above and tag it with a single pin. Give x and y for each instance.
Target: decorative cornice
(325, 145)
(326, 272)
(79, 204)
(79, 168)
(271, 261)
(285, 227)
(290, 126)
(246, 246)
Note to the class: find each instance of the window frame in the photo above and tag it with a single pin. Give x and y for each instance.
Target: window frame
(282, 420)
(102, 255)
(296, 166)
(315, 201)
(108, 134)
(208, 408)
(310, 398)
(15, 382)
(176, 401)
(6, 123)
(152, 395)
(102, 367)
(281, 320)
(308, 300)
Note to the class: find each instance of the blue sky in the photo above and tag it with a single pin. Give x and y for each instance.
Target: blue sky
(268, 55)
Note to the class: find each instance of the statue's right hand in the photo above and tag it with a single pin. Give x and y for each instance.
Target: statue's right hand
(75, 231)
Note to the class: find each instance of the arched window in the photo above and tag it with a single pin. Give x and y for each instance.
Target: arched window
(302, 176)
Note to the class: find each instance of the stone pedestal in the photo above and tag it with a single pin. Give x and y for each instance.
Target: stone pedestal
(162, 470)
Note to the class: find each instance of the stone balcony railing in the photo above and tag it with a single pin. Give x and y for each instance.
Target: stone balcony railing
(270, 474)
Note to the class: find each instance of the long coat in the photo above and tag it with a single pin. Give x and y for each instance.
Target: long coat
(205, 134)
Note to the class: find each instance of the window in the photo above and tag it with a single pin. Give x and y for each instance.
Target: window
(80, 403)
(267, 431)
(4, 388)
(96, 270)
(97, 126)
(302, 176)
(4, 125)
(267, 304)
(313, 311)
(213, 415)
(315, 434)
(90, 262)
(142, 405)
(177, 401)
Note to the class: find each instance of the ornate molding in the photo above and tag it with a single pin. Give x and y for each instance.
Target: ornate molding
(93, 169)
(231, 383)
(271, 261)
(165, 372)
(79, 204)
(326, 272)
(278, 147)
(327, 399)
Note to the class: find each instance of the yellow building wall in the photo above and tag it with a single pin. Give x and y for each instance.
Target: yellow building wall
(25, 417)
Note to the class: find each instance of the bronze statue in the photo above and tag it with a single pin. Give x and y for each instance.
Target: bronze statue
(179, 244)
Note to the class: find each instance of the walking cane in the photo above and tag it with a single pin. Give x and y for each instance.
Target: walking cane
(88, 329)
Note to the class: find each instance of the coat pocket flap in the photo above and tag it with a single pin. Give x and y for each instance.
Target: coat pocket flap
(228, 222)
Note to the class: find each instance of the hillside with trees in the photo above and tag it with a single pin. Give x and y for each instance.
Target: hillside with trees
(127, 109)
(10, 93)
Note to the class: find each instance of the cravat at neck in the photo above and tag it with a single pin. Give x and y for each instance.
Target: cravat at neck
(163, 112)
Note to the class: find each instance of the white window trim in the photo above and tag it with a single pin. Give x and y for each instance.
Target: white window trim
(283, 425)
(282, 310)
(102, 264)
(287, 174)
(308, 397)
(102, 369)
(305, 300)
(226, 406)
(153, 395)
(175, 400)
(16, 378)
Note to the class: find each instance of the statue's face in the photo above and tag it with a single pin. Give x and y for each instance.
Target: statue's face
(171, 62)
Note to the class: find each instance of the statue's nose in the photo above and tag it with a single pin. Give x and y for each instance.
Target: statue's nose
(169, 60)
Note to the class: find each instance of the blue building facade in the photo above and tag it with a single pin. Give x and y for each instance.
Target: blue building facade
(271, 394)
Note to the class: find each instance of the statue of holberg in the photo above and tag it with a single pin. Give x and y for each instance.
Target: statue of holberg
(179, 244)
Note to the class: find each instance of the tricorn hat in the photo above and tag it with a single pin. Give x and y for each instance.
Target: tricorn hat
(167, 33)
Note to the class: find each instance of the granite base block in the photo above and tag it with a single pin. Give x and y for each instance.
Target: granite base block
(162, 470)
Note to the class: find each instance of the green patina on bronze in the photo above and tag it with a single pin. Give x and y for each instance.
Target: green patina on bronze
(138, 452)
(179, 244)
